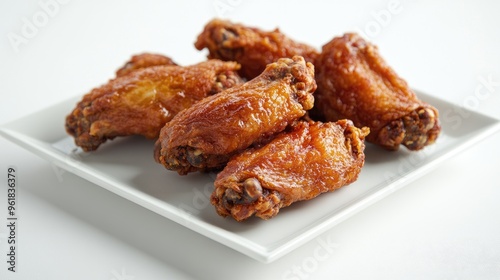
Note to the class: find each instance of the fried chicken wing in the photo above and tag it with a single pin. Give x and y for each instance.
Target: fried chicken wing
(144, 60)
(300, 164)
(142, 101)
(206, 135)
(251, 47)
(354, 82)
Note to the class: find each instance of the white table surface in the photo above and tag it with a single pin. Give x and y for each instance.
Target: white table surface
(444, 225)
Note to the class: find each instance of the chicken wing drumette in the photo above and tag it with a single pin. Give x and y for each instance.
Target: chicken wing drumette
(144, 60)
(142, 101)
(206, 135)
(354, 82)
(251, 47)
(300, 164)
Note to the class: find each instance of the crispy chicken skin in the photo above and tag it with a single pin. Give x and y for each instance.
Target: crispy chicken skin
(144, 60)
(206, 135)
(300, 164)
(142, 101)
(251, 47)
(354, 82)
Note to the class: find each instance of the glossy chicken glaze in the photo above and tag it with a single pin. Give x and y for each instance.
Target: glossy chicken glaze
(251, 47)
(309, 159)
(354, 82)
(142, 101)
(207, 134)
(144, 60)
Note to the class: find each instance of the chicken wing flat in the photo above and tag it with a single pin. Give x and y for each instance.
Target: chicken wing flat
(206, 135)
(144, 60)
(354, 82)
(251, 47)
(142, 101)
(300, 164)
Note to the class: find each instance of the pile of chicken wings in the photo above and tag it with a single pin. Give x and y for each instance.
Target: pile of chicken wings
(279, 120)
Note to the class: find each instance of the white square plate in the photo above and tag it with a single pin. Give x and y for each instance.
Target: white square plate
(126, 167)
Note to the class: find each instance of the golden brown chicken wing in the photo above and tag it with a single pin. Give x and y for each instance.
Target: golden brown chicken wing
(354, 82)
(251, 47)
(144, 60)
(142, 101)
(207, 134)
(310, 159)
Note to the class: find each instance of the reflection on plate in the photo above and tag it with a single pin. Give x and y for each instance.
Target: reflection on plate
(126, 167)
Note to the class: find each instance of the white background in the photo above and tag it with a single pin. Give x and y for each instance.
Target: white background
(445, 225)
